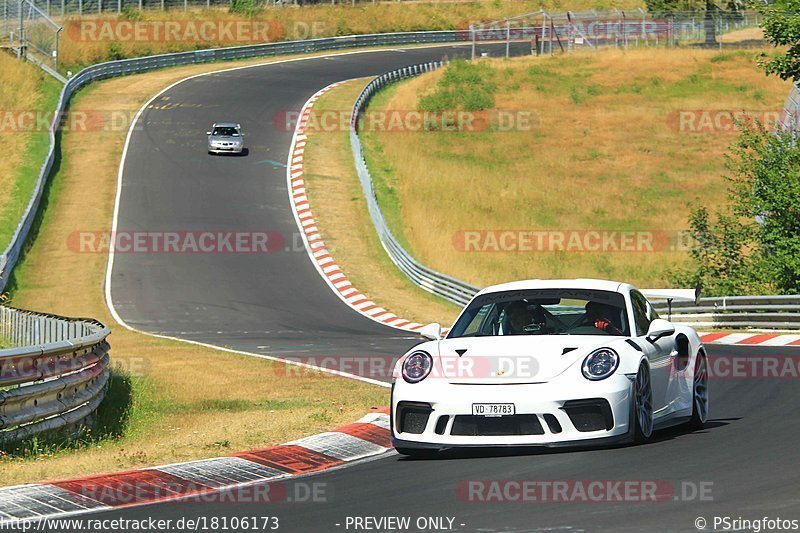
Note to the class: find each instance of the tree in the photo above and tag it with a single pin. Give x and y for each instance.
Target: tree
(669, 8)
(753, 245)
(781, 26)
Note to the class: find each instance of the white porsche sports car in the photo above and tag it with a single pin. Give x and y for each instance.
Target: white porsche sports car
(552, 363)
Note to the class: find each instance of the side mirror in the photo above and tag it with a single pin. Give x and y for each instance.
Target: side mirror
(208, 133)
(659, 328)
(432, 331)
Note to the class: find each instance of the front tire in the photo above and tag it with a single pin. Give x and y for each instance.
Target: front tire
(699, 394)
(642, 406)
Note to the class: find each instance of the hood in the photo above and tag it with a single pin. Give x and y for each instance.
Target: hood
(225, 138)
(514, 359)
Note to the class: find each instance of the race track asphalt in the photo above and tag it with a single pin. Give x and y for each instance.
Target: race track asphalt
(744, 465)
(273, 303)
(278, 304)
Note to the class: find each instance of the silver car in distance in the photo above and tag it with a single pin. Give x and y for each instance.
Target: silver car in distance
(225, 138)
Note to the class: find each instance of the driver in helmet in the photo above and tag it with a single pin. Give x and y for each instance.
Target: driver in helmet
(600, 316)
(522, 320)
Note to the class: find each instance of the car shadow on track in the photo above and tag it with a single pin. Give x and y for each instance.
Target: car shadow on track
(244, 153)
(662, 435)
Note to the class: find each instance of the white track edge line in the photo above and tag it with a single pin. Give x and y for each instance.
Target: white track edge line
(117, 200)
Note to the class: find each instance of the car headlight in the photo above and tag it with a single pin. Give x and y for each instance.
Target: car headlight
(417, 366)
(600, 364)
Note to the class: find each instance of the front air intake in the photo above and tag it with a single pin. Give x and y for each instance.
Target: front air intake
(590, 415)
(412, 417)
(481, 426)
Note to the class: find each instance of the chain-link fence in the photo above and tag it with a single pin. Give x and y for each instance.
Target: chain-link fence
(550, 32)
(57, 8)
(789, 119)
(31, 34)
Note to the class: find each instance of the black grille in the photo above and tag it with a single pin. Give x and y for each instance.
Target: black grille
(441, 424)
(590, 415)
(481, 426)
(552, 423)
(412, 417)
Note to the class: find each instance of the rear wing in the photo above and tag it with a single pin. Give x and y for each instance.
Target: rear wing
(681, 295)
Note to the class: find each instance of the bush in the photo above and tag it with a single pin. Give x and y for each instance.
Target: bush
(114, 52)
(247, 8)
(131, 13)
(464, 86)
(752, 247)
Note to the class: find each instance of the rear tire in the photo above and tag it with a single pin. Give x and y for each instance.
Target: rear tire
(642, 406)
(699, 394)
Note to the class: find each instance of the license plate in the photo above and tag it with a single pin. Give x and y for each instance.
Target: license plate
(493, 409)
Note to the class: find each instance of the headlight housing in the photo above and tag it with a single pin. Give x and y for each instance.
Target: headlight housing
(600, 364)
(417, 366)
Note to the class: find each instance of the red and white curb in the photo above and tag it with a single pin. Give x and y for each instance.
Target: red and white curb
(219, 479)
(751, 339)
(315, 246)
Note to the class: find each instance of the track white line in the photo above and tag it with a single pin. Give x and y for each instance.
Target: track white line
(117, 201)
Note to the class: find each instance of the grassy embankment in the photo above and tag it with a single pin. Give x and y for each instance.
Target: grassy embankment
(608, 152)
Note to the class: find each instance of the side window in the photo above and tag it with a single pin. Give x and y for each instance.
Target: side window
(476, 323)
(641, 313)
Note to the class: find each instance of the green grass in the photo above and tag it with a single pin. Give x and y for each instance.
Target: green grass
(384, 178)
(117, 412)
(25, 175)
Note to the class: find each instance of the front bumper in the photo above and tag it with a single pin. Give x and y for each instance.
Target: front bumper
(225, 149)
(546, 414)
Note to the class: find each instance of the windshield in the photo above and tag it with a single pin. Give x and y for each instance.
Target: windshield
(543, 312)
(226, 131)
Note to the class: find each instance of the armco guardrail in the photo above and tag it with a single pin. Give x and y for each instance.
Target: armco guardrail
(55, 379)
(133, 66)
(767, 312)
(447, 287)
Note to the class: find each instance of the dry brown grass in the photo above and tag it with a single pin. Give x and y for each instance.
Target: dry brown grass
(322, 20)
(603, 156)
(337, 200)
(189, 402)
(743, 35)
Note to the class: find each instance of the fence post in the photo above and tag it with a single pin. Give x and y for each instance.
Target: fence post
(472, 34)
(21, 36)
(508, 38)
(541, 44)
(55, 57)
(644, 31)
